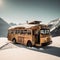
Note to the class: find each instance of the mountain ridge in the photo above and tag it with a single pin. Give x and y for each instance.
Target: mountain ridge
(3, 28)
(54, 26)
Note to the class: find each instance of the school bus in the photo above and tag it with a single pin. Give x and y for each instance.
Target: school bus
(30, 34)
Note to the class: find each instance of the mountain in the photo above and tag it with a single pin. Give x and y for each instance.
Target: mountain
(54, 26)
(3, 28)
(12, 24)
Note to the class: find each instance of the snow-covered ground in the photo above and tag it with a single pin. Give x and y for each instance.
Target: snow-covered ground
(56, 41)
(21, 53)
(25, 54)
(3, 41)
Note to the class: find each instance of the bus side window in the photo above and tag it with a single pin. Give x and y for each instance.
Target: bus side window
(29, 32)
(17, 31)
(25, 31)
(21, 31)
(12, 32)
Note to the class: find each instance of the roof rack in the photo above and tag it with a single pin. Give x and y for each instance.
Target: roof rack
(35, 22)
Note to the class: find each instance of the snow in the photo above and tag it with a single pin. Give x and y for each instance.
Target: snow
(56, 41)
(55, 26)
(22, 25)
(20, 53)
(3, 41)
(54, 21)
(52, 28)
(24, 54)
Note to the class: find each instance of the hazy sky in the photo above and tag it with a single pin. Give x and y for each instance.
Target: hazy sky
(19, 11)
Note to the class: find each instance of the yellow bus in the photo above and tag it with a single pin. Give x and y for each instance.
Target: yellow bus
(30, 34)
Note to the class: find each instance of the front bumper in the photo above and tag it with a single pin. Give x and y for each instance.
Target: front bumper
(47, 43)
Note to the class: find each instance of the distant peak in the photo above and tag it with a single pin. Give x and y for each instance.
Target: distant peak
(0, 18)
(58, 19)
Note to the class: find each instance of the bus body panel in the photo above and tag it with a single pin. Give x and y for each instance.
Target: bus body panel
(34, 36)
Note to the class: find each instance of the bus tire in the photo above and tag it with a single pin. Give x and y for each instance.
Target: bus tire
(14, 41)
(29, 44)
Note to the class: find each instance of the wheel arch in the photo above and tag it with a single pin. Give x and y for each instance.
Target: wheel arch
(29, 41)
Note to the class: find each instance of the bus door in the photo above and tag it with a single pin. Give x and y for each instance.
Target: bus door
(37, 36)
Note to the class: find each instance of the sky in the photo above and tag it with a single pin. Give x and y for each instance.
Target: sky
(20, 11)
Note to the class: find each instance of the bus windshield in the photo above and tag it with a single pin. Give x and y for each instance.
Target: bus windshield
(45, 31)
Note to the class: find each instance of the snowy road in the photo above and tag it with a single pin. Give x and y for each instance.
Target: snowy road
(51, 52)
(48, 50)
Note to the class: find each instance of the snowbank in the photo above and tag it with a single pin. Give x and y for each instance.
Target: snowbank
(25, 54)
(56, 41)
(3, 41)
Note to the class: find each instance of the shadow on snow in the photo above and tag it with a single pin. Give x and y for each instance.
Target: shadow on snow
(48, 49)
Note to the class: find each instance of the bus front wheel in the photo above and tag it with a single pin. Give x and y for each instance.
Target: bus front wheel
(29, 44)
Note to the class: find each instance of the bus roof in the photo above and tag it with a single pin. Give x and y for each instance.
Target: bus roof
(22, 25)
(35, 22)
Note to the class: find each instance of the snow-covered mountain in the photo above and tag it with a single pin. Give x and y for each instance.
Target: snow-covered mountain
(3, 28)
(54, 26)
(12, 24)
